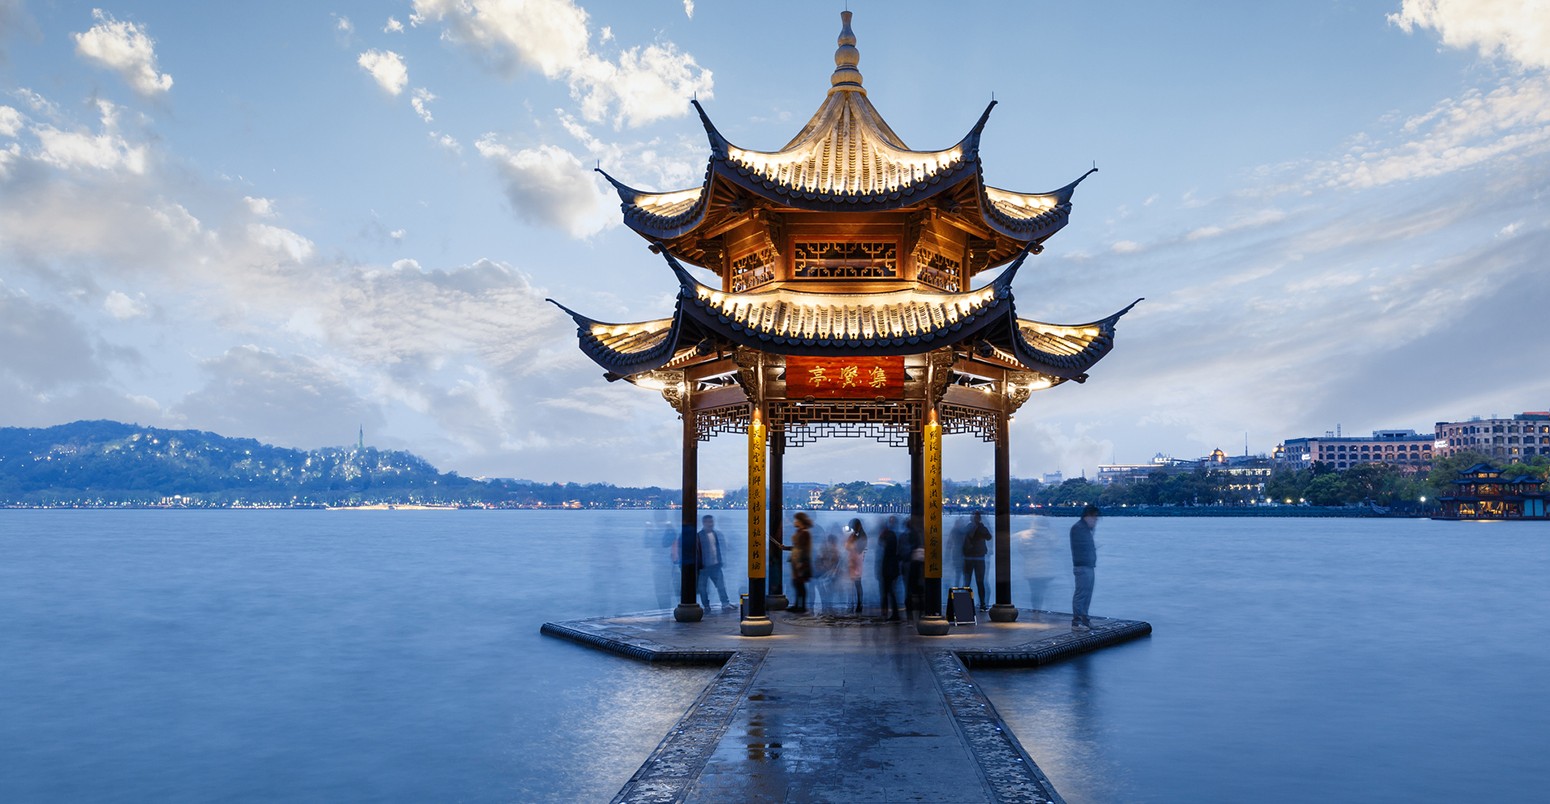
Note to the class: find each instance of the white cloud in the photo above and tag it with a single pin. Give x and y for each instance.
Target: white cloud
(1516, 30)
(420, 101)
(640, 86)
(1126, 247)
(398, 235)
(689, 9)
(282, 245)
(343, 25)
(447, 141)
(124, 48)
(107, 150)
(122, 307)
(260, 207)
(10, 121)
(1507, 124)
(387, 68)
(393, 26)
(550, 186)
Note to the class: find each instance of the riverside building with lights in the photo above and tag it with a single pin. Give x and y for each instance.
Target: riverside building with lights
(1519, 438)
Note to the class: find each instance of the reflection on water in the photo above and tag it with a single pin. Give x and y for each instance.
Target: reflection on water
(256, 656)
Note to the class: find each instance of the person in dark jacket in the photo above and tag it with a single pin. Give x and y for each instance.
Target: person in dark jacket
(888, 567)
(711, 548)
(1084, 561)
(976, 543)
(801, 561)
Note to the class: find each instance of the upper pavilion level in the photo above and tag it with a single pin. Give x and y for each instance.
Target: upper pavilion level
(845, 206)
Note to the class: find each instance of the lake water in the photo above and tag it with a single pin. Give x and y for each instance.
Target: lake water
(395, 655)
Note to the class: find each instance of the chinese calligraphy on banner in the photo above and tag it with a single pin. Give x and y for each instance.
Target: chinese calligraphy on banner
(844, 377)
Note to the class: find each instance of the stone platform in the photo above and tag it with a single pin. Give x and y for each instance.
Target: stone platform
(840, 707)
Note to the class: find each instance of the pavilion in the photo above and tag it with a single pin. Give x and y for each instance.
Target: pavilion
(844, 308)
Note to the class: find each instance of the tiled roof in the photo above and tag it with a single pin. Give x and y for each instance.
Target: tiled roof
(788, 321)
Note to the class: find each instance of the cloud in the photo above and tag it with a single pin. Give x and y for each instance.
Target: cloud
(548, 185)
(125, 49)
(119, 305)
(447, 141)
(689, 9)
(393, 26)
(386, 68)
(289, 400)
(638, 87)
(343, 25)
(1515, 30)
(10, 121)
(421, 103)
(260, 207)
(45, 348)
(1509, 123)
(107, 150)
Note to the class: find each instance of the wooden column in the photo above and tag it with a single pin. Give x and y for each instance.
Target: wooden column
(1003, 611)
(932, 623)
(688, 609)
(755, 622)
(775, 596)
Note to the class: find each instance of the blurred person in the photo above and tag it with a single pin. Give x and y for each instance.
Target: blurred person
(711, 549)
(1084, 563)
(661, 543)
(952, 550)
(855, 553)
(1038, 561)
(913, 562)
(827, 570)
(801, 549)
(888, 567)
(976, 544)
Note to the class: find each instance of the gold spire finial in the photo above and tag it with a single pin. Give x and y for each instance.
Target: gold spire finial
(846, 57)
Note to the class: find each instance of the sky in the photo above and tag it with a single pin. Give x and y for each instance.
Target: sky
(293, 220)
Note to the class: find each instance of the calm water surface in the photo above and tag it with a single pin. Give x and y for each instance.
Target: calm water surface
(322, 655)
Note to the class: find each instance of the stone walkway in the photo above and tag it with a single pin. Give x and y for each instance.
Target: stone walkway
(841, 708)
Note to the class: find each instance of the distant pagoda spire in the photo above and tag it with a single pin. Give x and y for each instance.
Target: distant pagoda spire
(846, 78)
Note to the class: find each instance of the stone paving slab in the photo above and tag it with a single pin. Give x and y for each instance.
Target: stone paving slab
(841, 707)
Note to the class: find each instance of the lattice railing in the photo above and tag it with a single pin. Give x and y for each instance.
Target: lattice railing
(725, 419)
(806, 422)
(964, 419)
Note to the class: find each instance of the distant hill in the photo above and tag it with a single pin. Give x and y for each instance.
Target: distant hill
(106, 463)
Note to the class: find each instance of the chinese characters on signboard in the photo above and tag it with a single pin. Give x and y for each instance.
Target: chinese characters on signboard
(844, 377)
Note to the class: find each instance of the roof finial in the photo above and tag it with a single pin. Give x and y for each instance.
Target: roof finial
(846, 57)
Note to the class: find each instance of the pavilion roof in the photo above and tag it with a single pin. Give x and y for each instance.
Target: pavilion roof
(846, 159)
(795, 322)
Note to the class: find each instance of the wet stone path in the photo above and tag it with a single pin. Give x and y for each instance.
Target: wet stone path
(841, 708)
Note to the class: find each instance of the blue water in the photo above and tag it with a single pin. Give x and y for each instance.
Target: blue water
(321, 655)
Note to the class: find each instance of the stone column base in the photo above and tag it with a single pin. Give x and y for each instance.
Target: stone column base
(756, 626)
(688, 613)
(776, 603)
(932, 625)
(1003, 613)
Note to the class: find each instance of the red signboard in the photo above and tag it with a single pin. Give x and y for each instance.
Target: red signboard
(844, 377)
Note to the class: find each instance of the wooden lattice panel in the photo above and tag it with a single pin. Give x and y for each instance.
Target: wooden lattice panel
(806, 422)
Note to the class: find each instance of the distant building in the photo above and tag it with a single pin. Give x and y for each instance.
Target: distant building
(1121, 473)
(1053, 479)
(1406, 449)
(1516, 439)
(1246, 473)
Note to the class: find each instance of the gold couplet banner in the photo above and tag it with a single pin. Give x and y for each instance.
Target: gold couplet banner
(931, 441)
(756, 483)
